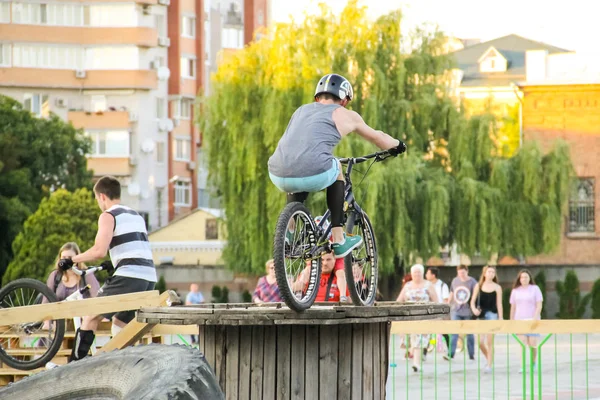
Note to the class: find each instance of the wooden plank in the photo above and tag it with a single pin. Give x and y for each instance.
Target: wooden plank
(283, 362)
(505, 326)
(232, 352)
(298, 362)
(209, 345)
(79, 308)
(257, 363)
(376, 337)
(270, 363)
(175, 329)
(220, 356)
(245, 351)
(367, 373)
(357, 361)
(328, 361)
(311, 373)
(384, 354)
(134, 331)
(345, 362)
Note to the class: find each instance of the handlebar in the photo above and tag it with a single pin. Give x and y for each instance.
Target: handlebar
(90, 270)
(379, 156)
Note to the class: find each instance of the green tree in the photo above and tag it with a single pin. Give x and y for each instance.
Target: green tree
(161, 285)
(540, 280)
(37, 156)
(596, 300)
(451, 187)
(60, 218)
(571, 304)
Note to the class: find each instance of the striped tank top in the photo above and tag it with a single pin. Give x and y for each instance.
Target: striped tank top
(129, 248)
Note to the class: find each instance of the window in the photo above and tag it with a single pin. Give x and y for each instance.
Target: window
(188, 67)
(159, 20)
(98, 103)
(232, 38)
(181, 149)
(5, 55)
(212, 229)
(4, 12)
(49, 14)
(186, 108)
(53, 57)
(37, 104)
(160, 152)
(110, 144)
(581, 207)
(188, 27)
(206, 42)
(161, 111)
(182, 194)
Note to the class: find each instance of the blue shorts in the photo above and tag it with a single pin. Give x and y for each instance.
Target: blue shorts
(309, 184)
(490, 316)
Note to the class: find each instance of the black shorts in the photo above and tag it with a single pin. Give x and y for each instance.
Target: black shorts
(123, 285)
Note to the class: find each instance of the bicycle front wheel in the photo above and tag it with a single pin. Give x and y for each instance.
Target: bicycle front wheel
(29, 345)
(297, 278)
(361, 265)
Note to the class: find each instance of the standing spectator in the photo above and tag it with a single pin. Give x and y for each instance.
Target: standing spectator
(417, 290)
(194, 296)
(526, 304)
(267, 290)
(461, 290)
(443, 294)
(65, 283)
(486, 303)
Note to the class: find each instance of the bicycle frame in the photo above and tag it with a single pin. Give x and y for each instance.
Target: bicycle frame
(349, 202)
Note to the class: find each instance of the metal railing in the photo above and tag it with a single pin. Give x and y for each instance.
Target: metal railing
(568, 361)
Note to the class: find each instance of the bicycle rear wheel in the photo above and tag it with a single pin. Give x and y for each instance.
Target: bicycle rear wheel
(29, 345)
(361, 265)
(297, 278)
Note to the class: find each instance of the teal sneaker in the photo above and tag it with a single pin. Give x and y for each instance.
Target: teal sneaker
(341, 250)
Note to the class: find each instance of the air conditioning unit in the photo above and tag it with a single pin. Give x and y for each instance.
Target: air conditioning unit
(133, 117)
(60, 102)
(164, 2)
(80, 73)
(133, 161)
(146, 9)
(191, 165)
(164, 41)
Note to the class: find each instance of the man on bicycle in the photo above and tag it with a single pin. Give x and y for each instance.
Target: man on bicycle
(303, 161)
(122, 233)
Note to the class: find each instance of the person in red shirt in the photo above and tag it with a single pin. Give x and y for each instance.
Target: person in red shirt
(328, 286)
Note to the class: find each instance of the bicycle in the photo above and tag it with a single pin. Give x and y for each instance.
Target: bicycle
(32, 345)
(301, 241)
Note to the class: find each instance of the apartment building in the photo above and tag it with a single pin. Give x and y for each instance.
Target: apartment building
(200, 32)
(102, 66)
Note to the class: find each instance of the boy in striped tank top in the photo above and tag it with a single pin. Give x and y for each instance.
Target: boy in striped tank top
(121, 233)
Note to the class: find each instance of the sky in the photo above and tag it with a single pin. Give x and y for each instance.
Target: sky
(572, 25)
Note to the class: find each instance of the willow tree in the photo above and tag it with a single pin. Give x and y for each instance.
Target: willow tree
(452, 186)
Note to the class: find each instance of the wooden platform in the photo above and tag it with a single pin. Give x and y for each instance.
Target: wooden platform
(330, 351)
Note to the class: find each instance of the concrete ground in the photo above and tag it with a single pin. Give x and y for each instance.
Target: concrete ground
(563, 372)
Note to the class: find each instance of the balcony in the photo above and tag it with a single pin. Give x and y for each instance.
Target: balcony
(110, 166)
(67, 79)
(18, 33)
(99, 120)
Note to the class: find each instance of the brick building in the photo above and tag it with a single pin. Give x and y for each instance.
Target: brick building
(561, 99)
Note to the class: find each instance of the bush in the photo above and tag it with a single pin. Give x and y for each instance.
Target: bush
(220, 294)
(540, 280)
(596, 300)
(247, 297)
(161, 285)
(571, 304)
(506, 302)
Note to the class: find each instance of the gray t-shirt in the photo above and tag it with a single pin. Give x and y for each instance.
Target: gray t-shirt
(462, 296)
(306, 147)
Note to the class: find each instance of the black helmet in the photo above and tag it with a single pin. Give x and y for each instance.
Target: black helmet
(336, 85)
